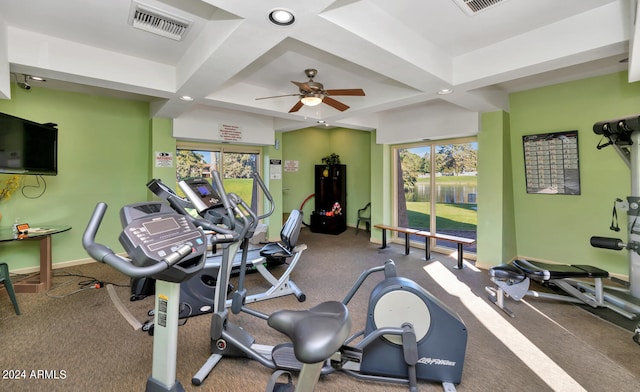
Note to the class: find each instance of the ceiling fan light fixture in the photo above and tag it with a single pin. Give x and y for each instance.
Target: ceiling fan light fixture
(312, 99)
(281, 17)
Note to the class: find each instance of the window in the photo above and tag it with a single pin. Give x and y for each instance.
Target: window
(436, 189)
(235, 164)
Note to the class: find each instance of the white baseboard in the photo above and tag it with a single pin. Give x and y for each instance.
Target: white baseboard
(62, 264)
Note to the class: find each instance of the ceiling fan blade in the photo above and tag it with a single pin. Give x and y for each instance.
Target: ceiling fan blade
(335, 104)
(346, 91)
(278, 96)
(296, 107)
(302, 86)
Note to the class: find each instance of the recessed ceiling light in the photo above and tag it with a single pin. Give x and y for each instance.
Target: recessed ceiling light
(37, 78)
(321, 121)
(186, 98)
(281, 17)
(445, 91)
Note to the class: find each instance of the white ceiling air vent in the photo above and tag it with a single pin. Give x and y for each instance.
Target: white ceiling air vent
(157, 21)
(472, 7)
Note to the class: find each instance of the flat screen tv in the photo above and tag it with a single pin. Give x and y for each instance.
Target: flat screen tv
(27, 147)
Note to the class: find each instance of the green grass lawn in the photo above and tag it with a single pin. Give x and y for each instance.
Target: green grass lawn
(450, 216)
(242, 187)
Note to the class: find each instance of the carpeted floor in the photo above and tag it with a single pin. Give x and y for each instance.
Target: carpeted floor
(80, 342)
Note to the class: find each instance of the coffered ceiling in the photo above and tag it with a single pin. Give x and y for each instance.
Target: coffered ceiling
(401, 53)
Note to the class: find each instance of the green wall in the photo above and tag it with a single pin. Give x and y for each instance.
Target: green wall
(274, 185)
(103, 156)
(496, 226)
(107, 147)
(558, 227)
(308, 146)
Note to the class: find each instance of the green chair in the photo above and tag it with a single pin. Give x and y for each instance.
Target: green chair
(364, 215)
(4, 278)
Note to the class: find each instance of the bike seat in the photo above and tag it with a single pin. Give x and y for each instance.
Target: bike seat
(316, 333)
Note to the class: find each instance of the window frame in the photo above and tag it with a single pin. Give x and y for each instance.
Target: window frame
(395, 237)
(221, 148)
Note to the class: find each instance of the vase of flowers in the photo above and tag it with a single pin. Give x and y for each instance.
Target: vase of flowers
(8, 186)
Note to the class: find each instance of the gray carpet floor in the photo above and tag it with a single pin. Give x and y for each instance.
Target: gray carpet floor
(70, 340)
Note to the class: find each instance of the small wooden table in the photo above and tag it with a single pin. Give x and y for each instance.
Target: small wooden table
(40, 281)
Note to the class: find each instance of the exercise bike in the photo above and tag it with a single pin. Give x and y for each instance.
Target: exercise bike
(163, 245)
(410, 335)
(166, 246)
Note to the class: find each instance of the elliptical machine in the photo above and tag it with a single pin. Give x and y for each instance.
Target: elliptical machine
(409, 335)
(197, 293)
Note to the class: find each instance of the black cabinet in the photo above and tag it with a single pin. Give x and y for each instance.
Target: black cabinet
(330, 215)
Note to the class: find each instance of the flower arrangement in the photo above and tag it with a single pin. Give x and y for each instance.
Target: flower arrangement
(9, 186)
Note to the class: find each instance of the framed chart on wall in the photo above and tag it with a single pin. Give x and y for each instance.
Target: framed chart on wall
(551, 163)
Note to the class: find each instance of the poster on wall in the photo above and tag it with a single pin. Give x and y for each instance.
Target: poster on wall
(551, 163)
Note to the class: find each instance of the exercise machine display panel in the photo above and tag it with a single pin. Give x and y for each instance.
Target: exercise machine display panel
(153, 231)
(201, 193)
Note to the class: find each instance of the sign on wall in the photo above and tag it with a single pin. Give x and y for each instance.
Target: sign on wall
(230, 132)
(164, 159)
(551, 163)
(275, 169)
(291, 166)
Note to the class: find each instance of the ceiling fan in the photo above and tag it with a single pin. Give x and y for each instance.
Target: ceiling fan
(313, 93)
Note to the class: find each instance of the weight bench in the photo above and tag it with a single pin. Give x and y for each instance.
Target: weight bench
(513, 280)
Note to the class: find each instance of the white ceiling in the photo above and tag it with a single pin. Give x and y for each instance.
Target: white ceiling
(400, 52)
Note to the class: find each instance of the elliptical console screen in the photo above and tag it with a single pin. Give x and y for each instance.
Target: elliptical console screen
(161, 226)
(201, 193)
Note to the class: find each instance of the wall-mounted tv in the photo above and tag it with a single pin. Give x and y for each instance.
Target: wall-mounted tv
(27, 147)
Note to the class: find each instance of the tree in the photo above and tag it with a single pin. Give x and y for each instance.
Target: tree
(411, 167)
(189, 164)
(239, 165)
(456, 158)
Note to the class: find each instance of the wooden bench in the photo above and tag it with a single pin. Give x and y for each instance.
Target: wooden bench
(461, 241)
(407, 232)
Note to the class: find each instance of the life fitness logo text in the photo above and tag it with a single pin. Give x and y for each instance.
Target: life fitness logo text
(436, 361)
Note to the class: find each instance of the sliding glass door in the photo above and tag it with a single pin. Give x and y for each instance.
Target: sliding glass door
(235, 165)
(436, 189)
